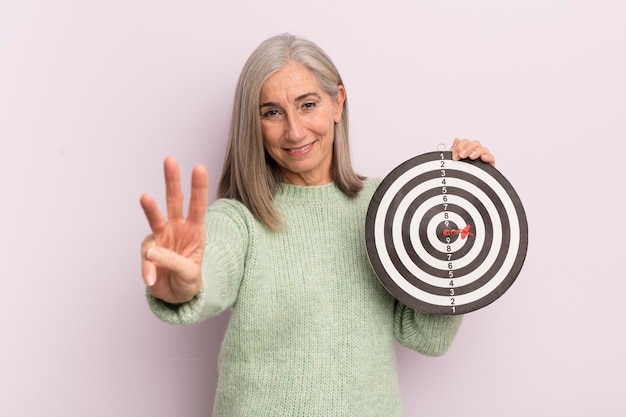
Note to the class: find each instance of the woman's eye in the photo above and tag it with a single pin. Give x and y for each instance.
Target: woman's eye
(309, 105)
(270, 113)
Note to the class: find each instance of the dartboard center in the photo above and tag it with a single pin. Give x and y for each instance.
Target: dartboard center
(445, 232)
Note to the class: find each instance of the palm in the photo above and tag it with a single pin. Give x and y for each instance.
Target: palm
(175, 275)
(187, 241)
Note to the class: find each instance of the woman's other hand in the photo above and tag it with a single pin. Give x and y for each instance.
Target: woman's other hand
(472, 149)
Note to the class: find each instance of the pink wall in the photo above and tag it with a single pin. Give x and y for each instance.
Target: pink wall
(94, 94)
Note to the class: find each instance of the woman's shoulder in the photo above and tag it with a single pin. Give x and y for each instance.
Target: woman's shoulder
(370, 185)
(230, 209)
(372, 182)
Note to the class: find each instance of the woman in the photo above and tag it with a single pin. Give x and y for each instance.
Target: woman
(312, 329)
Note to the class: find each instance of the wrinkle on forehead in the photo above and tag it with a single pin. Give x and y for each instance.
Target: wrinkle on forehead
(291, 83)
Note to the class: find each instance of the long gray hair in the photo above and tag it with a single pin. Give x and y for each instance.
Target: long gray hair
(250, 175)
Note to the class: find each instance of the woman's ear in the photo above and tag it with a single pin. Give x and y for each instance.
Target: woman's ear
(341, 98)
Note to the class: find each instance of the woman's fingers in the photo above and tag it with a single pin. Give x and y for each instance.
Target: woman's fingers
(173, 191)
(181, 275)
(463, 148)
(172, 261)
(174, 196)
(171, 277)
(148, 269)
(471, 149)
(156, 220)
(171, 255)
(199, 195)
(487, 157)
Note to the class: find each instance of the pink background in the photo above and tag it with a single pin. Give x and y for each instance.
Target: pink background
(94, 94)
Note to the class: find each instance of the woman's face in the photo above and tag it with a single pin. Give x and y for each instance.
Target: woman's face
(297, 123)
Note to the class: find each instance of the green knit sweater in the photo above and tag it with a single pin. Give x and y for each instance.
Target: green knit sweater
(312, 329)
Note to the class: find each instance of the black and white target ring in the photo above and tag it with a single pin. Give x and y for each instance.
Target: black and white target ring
(445, 236)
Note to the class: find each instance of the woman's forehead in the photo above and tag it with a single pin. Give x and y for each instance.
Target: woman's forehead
(290, 82)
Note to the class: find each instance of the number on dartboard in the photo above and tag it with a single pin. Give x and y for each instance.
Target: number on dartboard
(452, 294)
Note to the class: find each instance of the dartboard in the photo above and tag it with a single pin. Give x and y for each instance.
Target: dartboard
(446, 236)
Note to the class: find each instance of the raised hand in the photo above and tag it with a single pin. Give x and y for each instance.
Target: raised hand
(171, 256)
(472, 149)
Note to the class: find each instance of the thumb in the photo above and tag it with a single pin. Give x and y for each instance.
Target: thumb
(455, 153)
(172, 261)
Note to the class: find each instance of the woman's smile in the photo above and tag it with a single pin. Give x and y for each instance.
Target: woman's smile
(304, 150)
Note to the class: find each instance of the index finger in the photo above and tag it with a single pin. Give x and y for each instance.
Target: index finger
(155, 218)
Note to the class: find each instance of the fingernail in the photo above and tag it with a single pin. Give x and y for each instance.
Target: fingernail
(473, 155)
(153, 254)
(150, 280)
(455, 156)
(463, 154)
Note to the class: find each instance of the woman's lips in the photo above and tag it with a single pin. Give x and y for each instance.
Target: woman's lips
(300, 151)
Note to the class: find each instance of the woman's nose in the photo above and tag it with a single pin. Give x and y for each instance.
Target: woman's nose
(295, 130)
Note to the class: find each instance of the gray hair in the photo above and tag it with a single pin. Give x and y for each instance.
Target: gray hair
(250, 175)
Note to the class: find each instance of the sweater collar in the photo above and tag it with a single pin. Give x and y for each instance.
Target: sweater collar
(303, 194)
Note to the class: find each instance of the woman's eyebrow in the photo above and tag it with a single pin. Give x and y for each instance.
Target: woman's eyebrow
(307, 95)
(269, 104)
(299, 98)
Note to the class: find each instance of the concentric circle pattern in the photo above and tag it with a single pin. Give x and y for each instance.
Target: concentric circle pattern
(445, 236)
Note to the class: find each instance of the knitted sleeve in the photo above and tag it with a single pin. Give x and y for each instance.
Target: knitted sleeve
(429, 334)
(228, 230)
